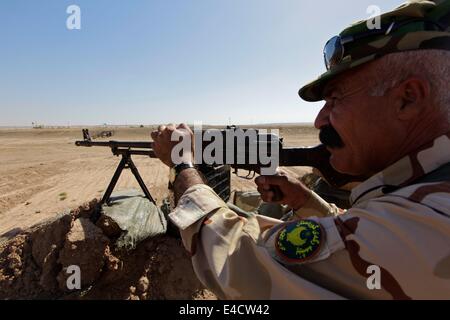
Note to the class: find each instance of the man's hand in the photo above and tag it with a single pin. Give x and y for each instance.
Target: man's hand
(163, 144)
(294, 193)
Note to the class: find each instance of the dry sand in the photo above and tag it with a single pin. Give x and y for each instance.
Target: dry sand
(43, 173)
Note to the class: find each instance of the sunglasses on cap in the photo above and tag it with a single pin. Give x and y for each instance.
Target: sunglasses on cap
(334, 50)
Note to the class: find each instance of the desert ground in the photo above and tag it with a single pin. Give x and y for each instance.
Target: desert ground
(43, 173)
(49, 190)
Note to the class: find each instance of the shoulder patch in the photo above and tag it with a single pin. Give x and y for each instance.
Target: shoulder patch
(299, 241)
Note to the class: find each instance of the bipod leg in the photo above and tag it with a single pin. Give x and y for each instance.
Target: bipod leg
(115, 178)
(139, 180)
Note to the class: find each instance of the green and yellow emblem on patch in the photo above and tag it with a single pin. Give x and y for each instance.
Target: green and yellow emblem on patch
(299, 241)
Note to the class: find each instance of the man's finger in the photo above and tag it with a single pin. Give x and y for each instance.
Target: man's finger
(271, 180)
(161, 127)
(183, 126)
(154, 134)
(264, 184)
(261, 190)
(260, 180)
(266, 194)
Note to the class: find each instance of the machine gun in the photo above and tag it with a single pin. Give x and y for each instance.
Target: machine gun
(218, 172)
(218, 176)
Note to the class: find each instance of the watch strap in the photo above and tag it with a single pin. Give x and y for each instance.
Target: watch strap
(177, 169)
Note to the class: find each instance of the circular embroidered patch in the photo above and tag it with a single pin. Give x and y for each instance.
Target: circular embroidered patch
(299, 241)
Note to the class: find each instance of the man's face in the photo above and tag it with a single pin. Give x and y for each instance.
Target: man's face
(356, 127)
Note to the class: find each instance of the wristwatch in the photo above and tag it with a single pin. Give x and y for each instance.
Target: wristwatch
(176, 170)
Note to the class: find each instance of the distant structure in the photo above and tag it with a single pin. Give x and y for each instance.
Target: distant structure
(34, 125)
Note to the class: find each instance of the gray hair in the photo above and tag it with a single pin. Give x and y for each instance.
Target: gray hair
(393, 68)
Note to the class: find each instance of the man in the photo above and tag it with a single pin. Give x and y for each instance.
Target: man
(386, 116)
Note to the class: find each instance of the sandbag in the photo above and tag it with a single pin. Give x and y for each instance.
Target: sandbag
(136, 216)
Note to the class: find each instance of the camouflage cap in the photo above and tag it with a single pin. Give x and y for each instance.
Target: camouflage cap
(415, 25)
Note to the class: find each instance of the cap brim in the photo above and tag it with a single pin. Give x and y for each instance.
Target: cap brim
(313, 91)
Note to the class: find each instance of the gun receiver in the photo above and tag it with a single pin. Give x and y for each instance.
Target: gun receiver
(317, 157)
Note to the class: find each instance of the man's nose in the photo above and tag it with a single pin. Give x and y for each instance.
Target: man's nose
(322, 118)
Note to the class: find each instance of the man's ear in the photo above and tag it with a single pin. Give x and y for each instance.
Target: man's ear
(412, 95)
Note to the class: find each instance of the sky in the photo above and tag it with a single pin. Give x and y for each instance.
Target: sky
(160, 61)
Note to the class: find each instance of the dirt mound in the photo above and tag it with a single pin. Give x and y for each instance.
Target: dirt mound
(39, 264)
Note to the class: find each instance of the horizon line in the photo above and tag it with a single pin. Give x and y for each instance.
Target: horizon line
(52, 126)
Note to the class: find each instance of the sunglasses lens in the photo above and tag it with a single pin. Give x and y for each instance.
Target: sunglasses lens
(333, 52)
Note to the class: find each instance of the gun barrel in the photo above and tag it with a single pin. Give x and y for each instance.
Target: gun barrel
(115, 144)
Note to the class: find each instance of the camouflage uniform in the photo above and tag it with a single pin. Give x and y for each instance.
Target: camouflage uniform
(399, 221)
(402, 228)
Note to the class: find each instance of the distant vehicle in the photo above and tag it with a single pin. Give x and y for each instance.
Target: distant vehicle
(103, 134)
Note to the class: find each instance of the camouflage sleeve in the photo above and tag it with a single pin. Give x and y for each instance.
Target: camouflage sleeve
(392, 248)
(228, 251)
(395, 240)
(316, 206)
